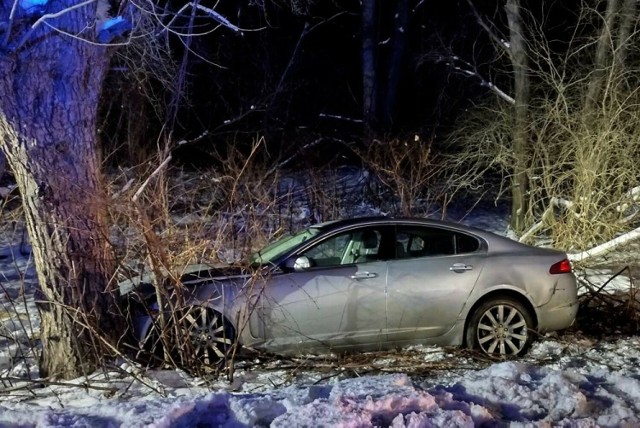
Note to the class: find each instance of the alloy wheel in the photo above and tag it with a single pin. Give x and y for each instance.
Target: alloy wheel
(502, 331)
(210, 336)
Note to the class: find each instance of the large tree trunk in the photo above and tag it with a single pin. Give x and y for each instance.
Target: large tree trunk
(518, 54)
(50, 89)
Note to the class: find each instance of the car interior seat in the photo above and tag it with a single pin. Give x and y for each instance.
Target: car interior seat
(368, 247)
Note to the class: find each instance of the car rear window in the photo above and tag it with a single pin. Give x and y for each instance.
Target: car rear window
(466, 243)
(431, 241)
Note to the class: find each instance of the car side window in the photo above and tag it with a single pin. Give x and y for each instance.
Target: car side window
(329, 252)
(361, 245)
(412, 242)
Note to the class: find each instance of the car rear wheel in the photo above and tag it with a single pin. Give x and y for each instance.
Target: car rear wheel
(500, 328)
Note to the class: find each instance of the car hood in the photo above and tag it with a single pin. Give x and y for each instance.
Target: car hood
(192, 275)
(195, 274)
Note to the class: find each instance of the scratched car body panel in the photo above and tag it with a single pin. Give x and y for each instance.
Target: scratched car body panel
(377, 283)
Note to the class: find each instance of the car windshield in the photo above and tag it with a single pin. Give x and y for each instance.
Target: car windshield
(272, 252)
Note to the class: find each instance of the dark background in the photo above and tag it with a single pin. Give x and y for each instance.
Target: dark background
(294, 74)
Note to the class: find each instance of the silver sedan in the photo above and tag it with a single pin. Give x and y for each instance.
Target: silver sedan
(376, 283)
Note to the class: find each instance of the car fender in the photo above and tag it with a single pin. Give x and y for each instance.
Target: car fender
(497, 289)
(230, 299)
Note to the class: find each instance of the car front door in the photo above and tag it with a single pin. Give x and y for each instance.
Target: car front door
(430, 280)
(339, 300)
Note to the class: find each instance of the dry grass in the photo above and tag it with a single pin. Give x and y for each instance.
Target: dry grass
(412, 175)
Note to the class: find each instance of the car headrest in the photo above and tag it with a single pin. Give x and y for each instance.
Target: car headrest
(369, 239)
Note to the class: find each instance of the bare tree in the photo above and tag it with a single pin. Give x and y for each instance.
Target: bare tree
(581, 139)
(53, 60)
(518, 54)
(611, 47)
(515, 46)
(51, 76)
(509, 42)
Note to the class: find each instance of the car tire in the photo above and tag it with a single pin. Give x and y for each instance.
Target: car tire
(206, 339)
(500, 328)
(212, 337)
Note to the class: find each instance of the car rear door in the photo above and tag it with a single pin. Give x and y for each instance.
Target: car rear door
(430, 280)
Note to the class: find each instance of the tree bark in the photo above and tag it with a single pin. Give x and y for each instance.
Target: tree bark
(50, 90)
(518, 54)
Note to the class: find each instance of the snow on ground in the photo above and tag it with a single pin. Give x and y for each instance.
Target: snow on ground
(569, 384)
(564, 380)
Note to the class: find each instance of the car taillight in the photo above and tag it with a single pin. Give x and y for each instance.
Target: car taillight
(563, 266)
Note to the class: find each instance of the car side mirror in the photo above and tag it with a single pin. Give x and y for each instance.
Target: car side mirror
(298, 264)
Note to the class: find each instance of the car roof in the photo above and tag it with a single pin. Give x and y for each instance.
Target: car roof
(381, 219)
(363, 221)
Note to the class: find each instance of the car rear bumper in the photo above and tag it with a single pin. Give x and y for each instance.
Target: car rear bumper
(561, 310)
(557, 318)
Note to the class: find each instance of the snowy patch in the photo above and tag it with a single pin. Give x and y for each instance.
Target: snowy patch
(508, 392)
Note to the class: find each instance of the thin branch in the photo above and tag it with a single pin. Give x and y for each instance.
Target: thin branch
(46, 16)
(212, 13)
(216, 16)
(148, 180)
(91, 42)
(470, 71)
(498, 40)
(238, 118)
(296, 49)
(126, 187)
(9, 24)
(298, 152)
(338, 117)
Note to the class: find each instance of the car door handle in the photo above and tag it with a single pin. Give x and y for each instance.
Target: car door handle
(460, 267)
(364, 275)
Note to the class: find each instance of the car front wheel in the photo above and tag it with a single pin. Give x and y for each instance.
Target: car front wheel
(203, 338)
(210, 335)
(500, 328)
